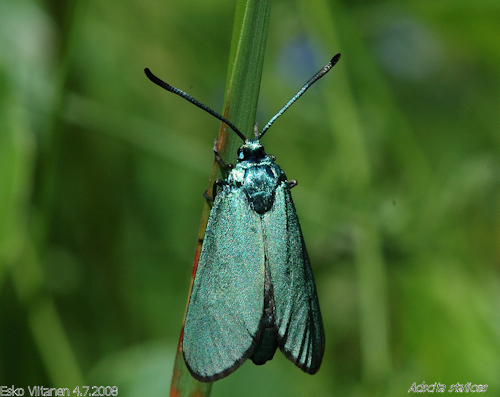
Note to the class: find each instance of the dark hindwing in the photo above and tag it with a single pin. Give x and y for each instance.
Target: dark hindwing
(226, 304)
(297, 315)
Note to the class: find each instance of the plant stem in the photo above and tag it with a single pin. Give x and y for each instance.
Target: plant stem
(246, 61)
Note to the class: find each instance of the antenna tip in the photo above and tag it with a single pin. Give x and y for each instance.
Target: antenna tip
(335, 59)
(155, 79)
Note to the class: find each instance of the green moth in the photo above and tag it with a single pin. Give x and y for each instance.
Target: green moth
(254, 289)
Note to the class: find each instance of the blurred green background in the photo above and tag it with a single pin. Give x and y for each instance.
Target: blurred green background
(101, 178)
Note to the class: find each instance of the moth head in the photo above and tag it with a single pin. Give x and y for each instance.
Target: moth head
(252, 150)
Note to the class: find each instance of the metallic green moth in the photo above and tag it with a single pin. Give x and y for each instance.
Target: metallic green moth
(254, 289)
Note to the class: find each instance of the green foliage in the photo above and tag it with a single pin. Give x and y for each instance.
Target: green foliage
(102, 175)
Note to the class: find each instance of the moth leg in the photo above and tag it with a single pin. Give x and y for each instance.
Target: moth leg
(219, 160)
(291, 183)
(207, 197)
(218, 183)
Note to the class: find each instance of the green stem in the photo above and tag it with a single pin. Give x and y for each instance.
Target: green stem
(246, 61)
